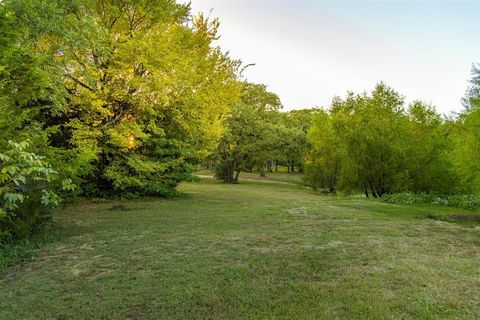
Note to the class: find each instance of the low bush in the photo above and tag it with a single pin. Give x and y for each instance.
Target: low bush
(27, 192)
(464, 201)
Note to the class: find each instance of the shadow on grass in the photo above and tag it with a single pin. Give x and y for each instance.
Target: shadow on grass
(14, 255)
(464, 219)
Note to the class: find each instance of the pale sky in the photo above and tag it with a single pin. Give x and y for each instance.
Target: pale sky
(308, 51)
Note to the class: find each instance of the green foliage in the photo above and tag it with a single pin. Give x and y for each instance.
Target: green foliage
(464, 201)
(149, 106)
(428, 170)
(26, 192)
(248, 138)
(372, 143)
(465, 132)
(472, 96)
(323, 168)
(258, 135)
(121, 97)
(292, 143)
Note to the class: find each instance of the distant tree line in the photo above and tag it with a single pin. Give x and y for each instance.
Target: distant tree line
(370, 143)
(258, 136)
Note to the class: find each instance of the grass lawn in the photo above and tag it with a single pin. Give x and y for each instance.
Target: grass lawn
(255, 251)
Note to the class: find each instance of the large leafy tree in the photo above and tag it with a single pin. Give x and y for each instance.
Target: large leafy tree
(323, 167)
(472, 96)
(427, 168)
(31, 93)
(373, 131)
(133, 88)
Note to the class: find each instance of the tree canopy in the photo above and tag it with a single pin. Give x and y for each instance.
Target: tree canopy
(376, 144)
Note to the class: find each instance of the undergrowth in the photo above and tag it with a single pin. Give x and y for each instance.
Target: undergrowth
(463, 201)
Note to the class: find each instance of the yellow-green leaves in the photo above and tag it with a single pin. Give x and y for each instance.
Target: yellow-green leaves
(107, 82)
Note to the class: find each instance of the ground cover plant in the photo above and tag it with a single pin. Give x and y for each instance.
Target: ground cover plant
(468, 201)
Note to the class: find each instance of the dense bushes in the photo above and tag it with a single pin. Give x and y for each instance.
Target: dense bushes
(129, 93)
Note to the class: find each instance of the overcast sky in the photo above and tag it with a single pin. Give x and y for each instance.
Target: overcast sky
(309, 51)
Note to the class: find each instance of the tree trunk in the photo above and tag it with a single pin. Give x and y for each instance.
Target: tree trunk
(276, 165)
(332, 184)
(373, 190)
(237, 174)
(262, 170)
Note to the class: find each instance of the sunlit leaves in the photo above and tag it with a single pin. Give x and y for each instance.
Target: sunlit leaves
(374, 144)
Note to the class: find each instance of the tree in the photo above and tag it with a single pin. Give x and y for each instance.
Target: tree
(374, 144)
(465, 132)
(248, 139)
(134, 91)
(295, 142)
(326, 156)
(373, 132)
(472, 96)
(427, 167)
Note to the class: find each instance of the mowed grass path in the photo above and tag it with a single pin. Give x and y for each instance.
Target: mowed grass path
(250, 251)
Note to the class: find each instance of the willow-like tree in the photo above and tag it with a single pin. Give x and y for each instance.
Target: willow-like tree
(465, 132)
(373, 143)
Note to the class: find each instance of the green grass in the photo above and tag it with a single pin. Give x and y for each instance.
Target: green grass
(249, 251)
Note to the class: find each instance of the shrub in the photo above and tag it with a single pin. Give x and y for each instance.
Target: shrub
(27, 195)
(464, 201)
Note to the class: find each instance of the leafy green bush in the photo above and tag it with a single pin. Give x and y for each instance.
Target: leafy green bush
(27, 195)
(464, 201)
